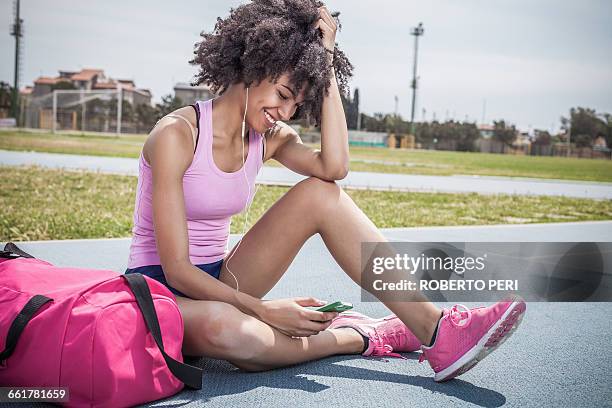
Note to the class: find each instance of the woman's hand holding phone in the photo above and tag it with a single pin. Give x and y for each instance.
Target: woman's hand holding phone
(291, 316)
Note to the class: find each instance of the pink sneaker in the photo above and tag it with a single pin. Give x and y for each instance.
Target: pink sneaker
(467, 336)
(386, 335)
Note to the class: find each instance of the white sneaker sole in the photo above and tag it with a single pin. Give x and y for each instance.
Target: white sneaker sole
(511, 318)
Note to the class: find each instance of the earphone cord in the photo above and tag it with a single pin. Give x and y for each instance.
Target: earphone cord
(246, 217)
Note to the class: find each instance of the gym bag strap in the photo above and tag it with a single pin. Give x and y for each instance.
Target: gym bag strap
(26, 313)
(191, 376)
(11, 248)
(19, 323)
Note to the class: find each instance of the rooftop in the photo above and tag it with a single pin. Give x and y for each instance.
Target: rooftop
(86, 74)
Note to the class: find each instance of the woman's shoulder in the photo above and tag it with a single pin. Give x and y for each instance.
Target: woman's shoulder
(174, 134)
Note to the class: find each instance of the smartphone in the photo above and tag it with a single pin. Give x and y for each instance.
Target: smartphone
(335, 307)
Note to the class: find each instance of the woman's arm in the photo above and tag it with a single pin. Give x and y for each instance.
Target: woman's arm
(332, 161)
(170, 152)
(334, 133)
(329, 163)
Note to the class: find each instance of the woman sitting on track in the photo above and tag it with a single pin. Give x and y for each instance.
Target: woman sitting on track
(270, 61)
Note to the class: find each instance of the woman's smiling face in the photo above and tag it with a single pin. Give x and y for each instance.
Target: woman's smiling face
(269, 102)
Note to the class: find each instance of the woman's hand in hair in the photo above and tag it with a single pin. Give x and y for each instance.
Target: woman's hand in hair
(291, 316)
(327, 24)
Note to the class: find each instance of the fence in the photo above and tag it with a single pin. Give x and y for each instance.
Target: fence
(86, 111)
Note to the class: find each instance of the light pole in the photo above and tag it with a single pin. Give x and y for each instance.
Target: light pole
(569, 135)
(396, 101)
(17, 32)
(417, 32)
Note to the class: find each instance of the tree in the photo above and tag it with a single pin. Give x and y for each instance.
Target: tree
(425, 134)
(450, 135)
(608, 120)
(466, 137)
(351, 109)
(146, 116)
(127, 110)
(582, 140)
(6, 96)
(168, 104)
(356, 104)
(584, 125)
(97, 114)
(374, 123)
(503, 132)
(60, 85)
(542, 137)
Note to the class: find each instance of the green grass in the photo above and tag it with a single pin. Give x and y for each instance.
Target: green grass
(41, 204)
(115, 146)
(362, 158)
(485, 164)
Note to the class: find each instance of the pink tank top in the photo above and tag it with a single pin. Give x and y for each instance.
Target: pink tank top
(212, 196)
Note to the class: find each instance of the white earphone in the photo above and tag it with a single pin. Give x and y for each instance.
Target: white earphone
(246, 217)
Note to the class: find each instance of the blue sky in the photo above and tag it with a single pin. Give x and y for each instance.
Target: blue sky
(529, 60)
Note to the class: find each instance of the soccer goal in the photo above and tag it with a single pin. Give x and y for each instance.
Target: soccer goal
(84, 110)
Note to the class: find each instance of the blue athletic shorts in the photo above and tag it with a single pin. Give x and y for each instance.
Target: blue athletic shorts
(156, 272)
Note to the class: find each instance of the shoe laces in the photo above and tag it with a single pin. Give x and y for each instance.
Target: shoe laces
(382, 346)
(460, 316)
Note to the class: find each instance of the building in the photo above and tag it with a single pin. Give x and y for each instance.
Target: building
(363, 138)
(486, 131)
(522, 139)
(81, 112)
(600, 142)
(90, 80)
(188, 94)
(486, 143)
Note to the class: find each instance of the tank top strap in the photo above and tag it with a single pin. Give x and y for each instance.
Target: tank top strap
(203, 116)
(194, 134)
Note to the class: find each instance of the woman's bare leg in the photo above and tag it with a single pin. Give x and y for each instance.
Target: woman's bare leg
(316, 206)
(220, 330)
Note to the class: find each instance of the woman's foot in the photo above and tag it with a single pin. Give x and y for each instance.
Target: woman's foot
(464, 336)
(383, 335)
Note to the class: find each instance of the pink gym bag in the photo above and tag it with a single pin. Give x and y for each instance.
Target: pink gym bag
(97, 332)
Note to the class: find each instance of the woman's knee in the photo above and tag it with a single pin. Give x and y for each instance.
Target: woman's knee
(218, 325)
(226, 330)
(321, 194)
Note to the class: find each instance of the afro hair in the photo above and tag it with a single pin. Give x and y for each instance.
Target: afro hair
(266, 39)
